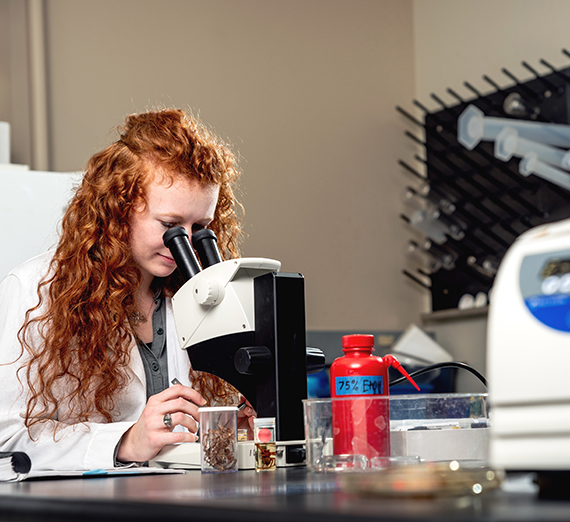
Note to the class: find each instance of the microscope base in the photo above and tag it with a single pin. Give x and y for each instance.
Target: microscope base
(289, 453)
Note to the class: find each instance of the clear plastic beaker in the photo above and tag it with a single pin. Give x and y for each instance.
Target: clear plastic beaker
(218, 439)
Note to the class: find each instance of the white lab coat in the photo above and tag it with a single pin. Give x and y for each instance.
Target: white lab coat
(80, 446)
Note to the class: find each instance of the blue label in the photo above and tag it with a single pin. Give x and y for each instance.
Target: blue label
(545, 287)
(553, 311)
(359, 385)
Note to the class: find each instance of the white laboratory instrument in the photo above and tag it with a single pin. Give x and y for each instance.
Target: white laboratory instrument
(528, 353)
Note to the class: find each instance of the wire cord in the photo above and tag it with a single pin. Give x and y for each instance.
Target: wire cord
(460, 365)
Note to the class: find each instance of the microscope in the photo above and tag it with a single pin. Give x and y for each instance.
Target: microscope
(244, 321)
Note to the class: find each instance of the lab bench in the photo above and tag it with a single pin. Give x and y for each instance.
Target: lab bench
(285, 494)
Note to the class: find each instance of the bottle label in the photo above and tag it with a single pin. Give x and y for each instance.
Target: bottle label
(359, 385)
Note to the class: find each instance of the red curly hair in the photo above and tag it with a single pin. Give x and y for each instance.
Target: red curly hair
(84, 304)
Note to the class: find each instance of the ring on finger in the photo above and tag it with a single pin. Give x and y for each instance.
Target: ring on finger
(167, 419)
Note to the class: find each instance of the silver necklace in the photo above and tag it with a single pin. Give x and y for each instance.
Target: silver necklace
(138, 318)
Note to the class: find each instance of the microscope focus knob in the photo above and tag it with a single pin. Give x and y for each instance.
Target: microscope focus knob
(252, 359)
(208, 291)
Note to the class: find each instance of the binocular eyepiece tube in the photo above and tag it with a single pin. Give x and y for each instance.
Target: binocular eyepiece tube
(206, 244)
(176, 239)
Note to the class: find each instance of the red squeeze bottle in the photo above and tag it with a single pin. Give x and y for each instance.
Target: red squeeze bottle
(362, 426)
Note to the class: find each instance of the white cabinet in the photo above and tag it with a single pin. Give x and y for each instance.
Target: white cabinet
(31, 207)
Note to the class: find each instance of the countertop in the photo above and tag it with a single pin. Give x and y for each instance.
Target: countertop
(286, 494)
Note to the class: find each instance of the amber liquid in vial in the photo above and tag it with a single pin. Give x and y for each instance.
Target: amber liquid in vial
(265, 459)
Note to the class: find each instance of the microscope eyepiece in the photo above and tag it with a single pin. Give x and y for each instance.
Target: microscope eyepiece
(177, 241)
(206, 244)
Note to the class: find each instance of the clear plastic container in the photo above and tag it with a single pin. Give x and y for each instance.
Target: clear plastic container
(423, 427)
(218, 439)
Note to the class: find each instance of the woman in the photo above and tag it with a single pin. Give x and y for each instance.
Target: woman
(87, 337)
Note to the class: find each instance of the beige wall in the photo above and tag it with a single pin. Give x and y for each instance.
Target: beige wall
(462, 40)
(305, 89)
(14, 78)
(5, 94)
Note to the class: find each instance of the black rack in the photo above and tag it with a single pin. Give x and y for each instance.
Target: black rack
(493, 202)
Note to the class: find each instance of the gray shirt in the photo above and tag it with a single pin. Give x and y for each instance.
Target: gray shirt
(154, 357)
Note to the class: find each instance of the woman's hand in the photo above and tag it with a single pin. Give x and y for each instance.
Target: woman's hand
(150, 434)
(245, 418)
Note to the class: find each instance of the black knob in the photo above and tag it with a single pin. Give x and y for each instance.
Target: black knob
(252, 359)
(176, 240)
(295, 455)
(206, 244)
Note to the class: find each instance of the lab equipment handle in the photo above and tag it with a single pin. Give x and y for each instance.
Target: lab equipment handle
(250, 360)
(315, 360)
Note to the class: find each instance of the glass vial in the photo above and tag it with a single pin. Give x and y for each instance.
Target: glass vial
(264, 438)
(218, 439)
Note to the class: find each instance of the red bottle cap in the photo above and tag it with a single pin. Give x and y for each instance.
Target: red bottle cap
(358, 341)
